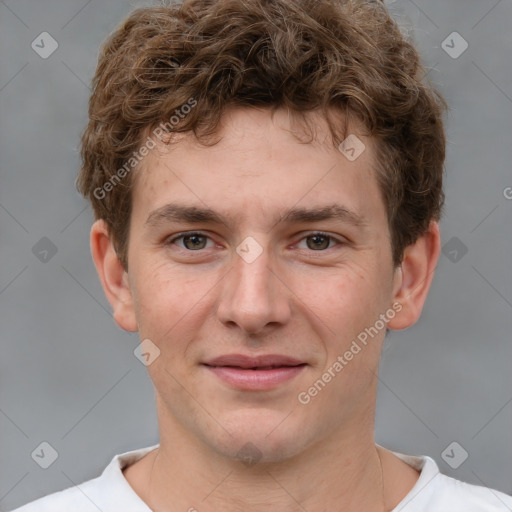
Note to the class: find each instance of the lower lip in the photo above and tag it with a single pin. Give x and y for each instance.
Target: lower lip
(255, 380)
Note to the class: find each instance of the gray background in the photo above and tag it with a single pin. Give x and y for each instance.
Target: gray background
(69, 375)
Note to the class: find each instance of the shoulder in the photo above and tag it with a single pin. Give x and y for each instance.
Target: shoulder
(456, 496)
(436, 492)
(79, 498)
(109, 492)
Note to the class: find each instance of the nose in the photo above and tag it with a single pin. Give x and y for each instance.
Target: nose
(254, 296)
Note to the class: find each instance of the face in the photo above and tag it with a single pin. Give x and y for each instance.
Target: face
(261, 252)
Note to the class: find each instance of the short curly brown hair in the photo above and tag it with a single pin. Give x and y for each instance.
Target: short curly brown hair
(301, 55)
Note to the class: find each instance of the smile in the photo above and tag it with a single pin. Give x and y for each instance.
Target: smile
(257, 378)
(255, 373)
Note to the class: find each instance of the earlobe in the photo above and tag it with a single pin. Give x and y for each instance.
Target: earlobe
(113, 277)
(414, 277)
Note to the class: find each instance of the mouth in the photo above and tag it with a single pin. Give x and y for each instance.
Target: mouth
(257, 367)
(255, 373)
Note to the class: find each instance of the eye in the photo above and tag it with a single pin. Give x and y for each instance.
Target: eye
(195, 241)
(191, 241)
(320, 241)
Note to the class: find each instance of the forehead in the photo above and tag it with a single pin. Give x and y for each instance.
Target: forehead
(262, 163)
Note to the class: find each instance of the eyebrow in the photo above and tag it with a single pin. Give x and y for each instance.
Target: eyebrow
(333, 211)
(195, 215)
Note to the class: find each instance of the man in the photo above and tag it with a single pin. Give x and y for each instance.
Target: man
(267, 182)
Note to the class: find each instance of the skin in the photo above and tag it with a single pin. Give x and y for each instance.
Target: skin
(295, 299)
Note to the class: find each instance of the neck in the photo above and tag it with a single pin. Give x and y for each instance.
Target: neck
(338, 473)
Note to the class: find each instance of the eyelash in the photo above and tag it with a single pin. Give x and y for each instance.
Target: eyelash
(314, 233)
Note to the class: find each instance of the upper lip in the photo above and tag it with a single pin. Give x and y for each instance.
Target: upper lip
(243, 361)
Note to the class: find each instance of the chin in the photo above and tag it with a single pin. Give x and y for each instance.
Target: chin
(258, 436)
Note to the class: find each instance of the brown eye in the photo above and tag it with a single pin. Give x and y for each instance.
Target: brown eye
(318, 242)
(194, 242)
(191, 241)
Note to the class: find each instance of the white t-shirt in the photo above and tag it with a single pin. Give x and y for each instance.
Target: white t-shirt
(433, 492)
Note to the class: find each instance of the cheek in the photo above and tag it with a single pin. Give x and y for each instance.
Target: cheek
(341, 298)
(157, 303)
(168, 301)
(351, 303)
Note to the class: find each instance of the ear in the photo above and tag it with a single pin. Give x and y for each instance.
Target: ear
(113, 277)
(414, 276)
